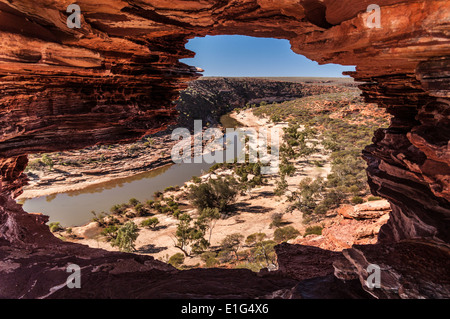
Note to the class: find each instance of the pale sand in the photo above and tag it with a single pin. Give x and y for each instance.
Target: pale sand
(256, 209)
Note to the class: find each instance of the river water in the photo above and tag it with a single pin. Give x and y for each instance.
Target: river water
(74, 208)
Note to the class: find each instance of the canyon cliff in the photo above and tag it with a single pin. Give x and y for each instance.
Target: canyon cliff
(117, 78)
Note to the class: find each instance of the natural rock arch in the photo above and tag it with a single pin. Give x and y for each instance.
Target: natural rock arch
(114, 80)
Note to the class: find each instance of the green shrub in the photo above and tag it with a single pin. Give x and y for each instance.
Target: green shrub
(47, 161)
(133, 148)
(117, 209)
(225, 256)
(354, 190)
(150, 223)
(133, 201)
(254, 238)
(171, 188)
(140, 209)
(288, 169)
(55, 226)
(110, 232)
(157, 194)
(282, 186)
(213, 168)
(277, 220)
(196, 179)
(209, 258)
(35, 165)
(176, 260)
(216, 193)
(275, 118)
(357, 200)
(285, 233)
(313, 230)
(373, 198)
(99, 219)
(318, 163)
(320, 210)
(126, 236)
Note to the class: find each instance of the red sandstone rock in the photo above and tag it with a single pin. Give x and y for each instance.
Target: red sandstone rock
(368, 210)
(344, 233)
(408, 269)
(345, 210)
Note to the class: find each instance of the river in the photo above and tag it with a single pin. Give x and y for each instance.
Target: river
(73, 208)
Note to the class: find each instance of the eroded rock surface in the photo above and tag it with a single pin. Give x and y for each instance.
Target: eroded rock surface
(115, 79)
(33, 264)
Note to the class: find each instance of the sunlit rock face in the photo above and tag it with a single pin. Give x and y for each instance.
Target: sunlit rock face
(116, 78)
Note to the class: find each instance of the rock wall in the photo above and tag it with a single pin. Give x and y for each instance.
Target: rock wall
(115, 79)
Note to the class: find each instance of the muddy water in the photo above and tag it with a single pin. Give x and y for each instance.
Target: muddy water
(74, 208)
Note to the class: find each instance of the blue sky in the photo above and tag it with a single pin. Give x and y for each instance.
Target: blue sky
(233, 55)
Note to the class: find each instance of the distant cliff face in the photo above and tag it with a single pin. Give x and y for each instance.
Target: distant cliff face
(116, 78)
(209, 98)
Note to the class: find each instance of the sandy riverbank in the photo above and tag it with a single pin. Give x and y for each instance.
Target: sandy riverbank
(255, 208)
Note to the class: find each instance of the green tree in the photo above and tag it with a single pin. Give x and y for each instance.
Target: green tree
(209, 217)
(190, 236)
(216, 193)
(150, 223)
(126, 236)
(47, 161)
(232, 243)
(264, 253)
(110, 232)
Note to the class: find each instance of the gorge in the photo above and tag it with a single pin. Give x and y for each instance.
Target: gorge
(117, 78)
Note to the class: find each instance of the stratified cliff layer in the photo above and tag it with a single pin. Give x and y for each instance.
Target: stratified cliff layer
(117, 77)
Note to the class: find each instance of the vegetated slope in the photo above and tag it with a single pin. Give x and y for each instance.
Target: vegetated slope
(262, 213)
(343, 127)
(209, 98)
(205, 99)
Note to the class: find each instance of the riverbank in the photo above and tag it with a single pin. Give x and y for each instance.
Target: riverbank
(206, 99)
(78, 170)
(255, 208)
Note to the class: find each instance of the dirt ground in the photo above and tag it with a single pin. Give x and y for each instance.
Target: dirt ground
(254, 209)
